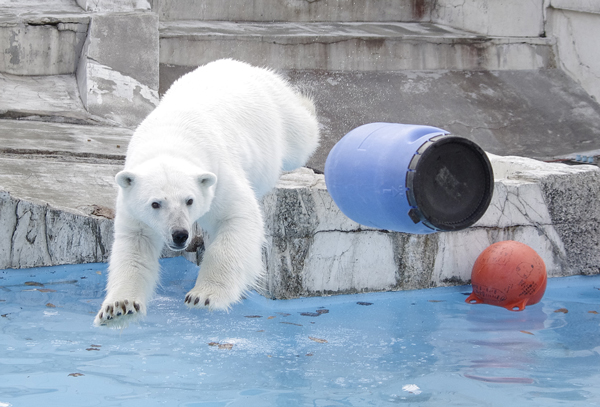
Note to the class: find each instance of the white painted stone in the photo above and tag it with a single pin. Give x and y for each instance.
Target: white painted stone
(514, 167)
(344, 262)
(515, 202)
(313, 249)
(457, 251)
(456, 255)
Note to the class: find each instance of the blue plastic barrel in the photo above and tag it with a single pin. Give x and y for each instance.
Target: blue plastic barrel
(409, 178)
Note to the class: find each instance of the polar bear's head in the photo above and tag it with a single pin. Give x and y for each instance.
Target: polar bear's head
(167, 198)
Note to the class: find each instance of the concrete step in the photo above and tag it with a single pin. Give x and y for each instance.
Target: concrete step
(486, 17)
(52, 98)
(349, 46)
(290, 10)
(32, 138)
(540, 114)
(41, 37)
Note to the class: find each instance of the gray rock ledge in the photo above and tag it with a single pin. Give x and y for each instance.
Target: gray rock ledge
(312, 248)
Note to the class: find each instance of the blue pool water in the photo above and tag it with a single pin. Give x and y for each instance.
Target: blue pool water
(416, 348)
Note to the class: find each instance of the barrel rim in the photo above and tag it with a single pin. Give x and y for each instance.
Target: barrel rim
(414, 198)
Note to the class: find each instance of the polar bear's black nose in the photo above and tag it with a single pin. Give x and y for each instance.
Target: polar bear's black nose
(180, 237)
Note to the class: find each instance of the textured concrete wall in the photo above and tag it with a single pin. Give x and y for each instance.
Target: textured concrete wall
(41, 46)
(512, 18)
(289, 10)
(540, 114)
(576, 27)
(349, 47)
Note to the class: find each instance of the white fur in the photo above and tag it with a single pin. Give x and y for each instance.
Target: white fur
(221, 136)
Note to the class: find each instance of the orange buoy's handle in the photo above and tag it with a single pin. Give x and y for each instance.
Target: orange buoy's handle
(473, 299)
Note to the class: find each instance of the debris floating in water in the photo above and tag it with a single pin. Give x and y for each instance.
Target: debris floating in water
(226, 346)
(289, 323)
(412, 388)
(315, 314)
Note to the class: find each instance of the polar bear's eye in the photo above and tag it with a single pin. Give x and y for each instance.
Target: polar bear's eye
(189, 202)
(155, 205)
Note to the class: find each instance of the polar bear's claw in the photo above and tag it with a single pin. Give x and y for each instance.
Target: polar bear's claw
(210, 296)
(193, 301)
(119, 314)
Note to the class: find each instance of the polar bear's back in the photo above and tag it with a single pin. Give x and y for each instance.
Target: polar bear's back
(266, 124)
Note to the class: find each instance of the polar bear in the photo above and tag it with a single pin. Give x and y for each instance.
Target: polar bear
(217, 142)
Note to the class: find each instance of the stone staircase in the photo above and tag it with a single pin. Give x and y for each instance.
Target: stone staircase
(76, 77)
(494, 82)
(349, 46)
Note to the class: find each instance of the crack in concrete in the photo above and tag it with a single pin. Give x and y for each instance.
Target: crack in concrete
(64, 156)
(382, 231)
(66, 117)
(14, 232)
(475, 127)
(46, 234)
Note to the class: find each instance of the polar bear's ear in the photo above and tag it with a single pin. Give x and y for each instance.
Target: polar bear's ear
(207, 179)
(125, 179)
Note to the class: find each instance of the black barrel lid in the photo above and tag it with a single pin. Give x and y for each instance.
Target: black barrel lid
(449, 183)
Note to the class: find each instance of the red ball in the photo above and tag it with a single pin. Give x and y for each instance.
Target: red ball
(508, 274)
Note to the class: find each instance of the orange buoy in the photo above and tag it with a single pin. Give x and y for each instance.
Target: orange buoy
(508, 274)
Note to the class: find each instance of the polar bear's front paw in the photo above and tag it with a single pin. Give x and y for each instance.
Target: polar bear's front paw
(118, 314)
(211, 296)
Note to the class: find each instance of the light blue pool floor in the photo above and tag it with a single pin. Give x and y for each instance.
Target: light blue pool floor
(418, 348)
